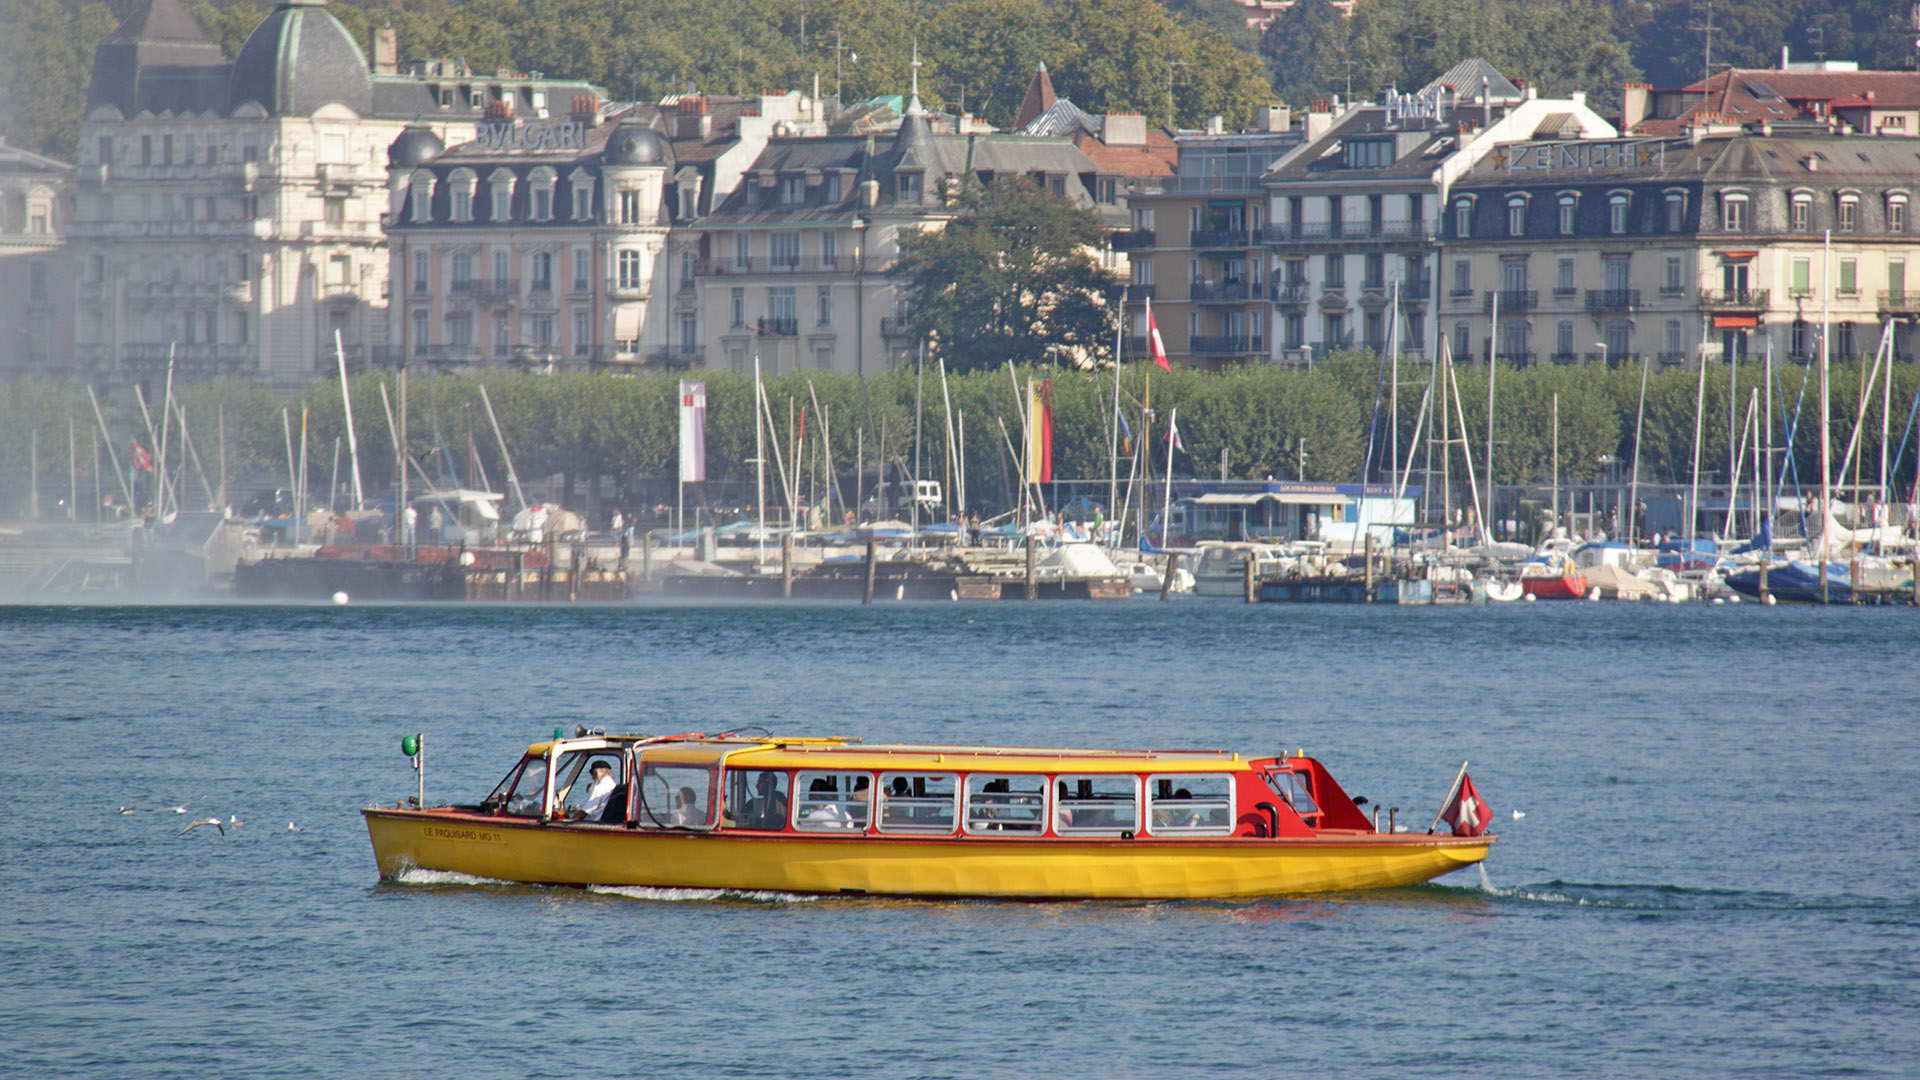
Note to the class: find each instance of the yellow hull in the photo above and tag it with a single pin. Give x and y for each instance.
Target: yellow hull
(526, 851)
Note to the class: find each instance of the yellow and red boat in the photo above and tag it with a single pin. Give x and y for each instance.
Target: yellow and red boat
(836, 816)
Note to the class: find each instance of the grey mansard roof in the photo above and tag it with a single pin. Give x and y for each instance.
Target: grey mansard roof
(159, 57)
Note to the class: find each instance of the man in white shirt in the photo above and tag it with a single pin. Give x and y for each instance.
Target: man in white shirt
(599, 792)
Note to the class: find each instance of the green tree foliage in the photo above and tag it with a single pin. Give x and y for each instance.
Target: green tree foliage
(46, 61)
(1559, 45)
(1010, 277)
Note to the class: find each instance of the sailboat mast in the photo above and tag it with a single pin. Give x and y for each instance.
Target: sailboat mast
(1693, 497)
(1826, 447)
(1639, 428)
(1556, 463)
(1493, 363)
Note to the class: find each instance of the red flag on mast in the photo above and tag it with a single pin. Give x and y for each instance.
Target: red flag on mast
(1155, 347)
(1468, 813)
(141, 460)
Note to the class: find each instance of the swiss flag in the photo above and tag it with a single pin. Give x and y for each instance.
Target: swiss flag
(1156, 347)
(1468, 813)
(140, 459)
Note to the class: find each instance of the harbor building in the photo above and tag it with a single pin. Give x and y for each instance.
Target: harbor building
(36, 266)
(228, 213)
(1355, 209)
(1704, 246)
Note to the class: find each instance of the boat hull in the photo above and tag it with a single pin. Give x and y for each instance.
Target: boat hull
(1140, 869)
(1568, 587)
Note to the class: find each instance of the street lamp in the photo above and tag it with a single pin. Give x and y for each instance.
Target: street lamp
(1603, 353)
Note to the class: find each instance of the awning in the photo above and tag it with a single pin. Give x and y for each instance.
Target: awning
(1739, 254)
(1220, 499)
(1735, 322)
(626, 322)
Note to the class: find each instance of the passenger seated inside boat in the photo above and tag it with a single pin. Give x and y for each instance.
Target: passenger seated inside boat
(686, 811)
(835, 801)
(1203, 803)
(1003, 804)
(756, 799)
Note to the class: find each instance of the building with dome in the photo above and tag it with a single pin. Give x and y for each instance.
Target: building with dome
(228, 214)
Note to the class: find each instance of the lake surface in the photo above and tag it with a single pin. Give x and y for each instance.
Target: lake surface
(1716, 874)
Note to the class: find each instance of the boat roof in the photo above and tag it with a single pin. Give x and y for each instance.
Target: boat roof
(767, 752)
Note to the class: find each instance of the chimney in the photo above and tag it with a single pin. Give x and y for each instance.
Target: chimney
(386, 50)
(869, 194)
(585, 108)
(1216, 125)
(1123, 129)
(1783, 58)
(1318, 120)
(1274, 118)
(1633, 105)
(500, 110)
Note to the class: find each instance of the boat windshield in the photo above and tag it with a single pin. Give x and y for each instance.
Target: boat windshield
(528, 796)
(1290, 786)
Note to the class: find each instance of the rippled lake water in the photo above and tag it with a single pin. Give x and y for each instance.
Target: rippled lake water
(1715, 876)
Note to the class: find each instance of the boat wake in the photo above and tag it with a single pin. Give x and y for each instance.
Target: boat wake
(645, 892)
(414, 875)
(1641, 897)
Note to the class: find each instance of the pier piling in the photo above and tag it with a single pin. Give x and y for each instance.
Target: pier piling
(1252, 584)
(1166, 577)
(866, 595)
(786, 566)
(1369, 568)
(1033, 587)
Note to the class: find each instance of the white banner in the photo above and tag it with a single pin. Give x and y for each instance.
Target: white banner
(693, 432)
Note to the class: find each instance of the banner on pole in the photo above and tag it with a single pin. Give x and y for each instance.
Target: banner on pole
(693, 432)
(1040, 432)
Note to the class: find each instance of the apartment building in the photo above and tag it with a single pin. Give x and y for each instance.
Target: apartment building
(796, 265)
(1355, 209)
(1197, 247)
(36, 268)
(1709, 245)
(228, 214)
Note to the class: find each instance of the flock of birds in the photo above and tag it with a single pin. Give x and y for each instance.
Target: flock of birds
(233, 820)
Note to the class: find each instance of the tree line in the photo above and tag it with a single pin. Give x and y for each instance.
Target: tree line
(1271, 421)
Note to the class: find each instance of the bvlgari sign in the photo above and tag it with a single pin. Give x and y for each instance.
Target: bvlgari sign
(530, 135)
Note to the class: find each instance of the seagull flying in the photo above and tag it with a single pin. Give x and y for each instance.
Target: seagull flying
(213, 821)
(182, 808)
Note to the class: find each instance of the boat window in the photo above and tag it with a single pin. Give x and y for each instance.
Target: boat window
(1191, 803)
(1006, 803)
(832, 801)
(581, 796)
(757, 798)
(676, 797)
(1095, 805)
(918, 802)
(528, 797)
(1292, 787)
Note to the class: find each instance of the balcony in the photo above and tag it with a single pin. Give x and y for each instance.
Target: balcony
(896, 326)
(1670, 359)
(1735, 299)
(1222, 346)
(1515, 359)
(483, 288)
(677, 356)
(1224, 293)
(1613, 359)
(1514, 301)
(1137, 292)
(1900, 303)
(778, 326)
(1220, 238)
(1135, 240)
(1347, 232)
(810, 264)
(1604, 300)
(1564, 358)
(1289, 292)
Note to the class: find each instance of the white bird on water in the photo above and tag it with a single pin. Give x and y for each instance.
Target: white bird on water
(213, 821)
(126, 810)
(234, 820)
(1518, 814)
(291, 827)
